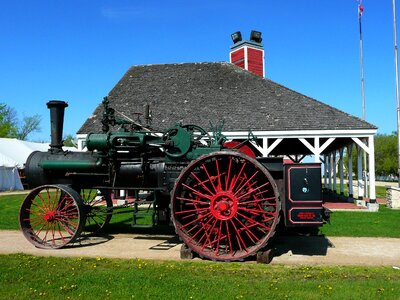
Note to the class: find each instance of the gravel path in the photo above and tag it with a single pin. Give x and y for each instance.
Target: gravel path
(294, 250)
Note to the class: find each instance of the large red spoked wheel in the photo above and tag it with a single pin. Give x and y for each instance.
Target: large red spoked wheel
(51, 216)
(225, 206)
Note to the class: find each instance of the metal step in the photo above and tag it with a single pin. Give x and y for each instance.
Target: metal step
(143, 209)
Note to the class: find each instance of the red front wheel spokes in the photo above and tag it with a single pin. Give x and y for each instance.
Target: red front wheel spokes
(51, 216)
(225, 206)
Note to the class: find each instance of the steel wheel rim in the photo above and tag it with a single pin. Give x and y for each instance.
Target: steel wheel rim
(98, 209)
(225, 206)
(51, 216)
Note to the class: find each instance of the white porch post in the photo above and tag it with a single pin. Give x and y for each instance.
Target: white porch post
(330, 171)
(334, 171)
(360, 174)
(325, 171)
(350, 156)
(371, 168)
(317, 152)
(341, 171)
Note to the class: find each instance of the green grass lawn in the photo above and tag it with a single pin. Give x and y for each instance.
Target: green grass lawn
(385, 223)
(9, 208)
(380, 191)
(29, 277)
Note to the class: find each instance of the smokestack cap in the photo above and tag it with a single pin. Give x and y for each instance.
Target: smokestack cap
(56, 103)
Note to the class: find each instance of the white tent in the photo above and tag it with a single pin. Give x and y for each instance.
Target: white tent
(18, 151)
(9, 177)
(13, 155)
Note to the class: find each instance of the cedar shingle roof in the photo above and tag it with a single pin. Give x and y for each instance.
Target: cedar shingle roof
(197, 93)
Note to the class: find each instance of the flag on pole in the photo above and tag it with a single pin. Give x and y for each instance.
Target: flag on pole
(360, 9)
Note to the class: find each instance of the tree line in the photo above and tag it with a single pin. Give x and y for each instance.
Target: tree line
(386, 159)
(12, 127)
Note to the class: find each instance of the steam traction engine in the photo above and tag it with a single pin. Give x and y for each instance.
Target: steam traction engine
(224, 203)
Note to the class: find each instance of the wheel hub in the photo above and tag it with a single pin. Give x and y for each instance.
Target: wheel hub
(224, 205)
(50, 216)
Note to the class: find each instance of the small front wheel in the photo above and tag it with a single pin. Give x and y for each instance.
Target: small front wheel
(51, 216)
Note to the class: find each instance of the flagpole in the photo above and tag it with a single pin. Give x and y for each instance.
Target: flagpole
(396, 64)
(361, 67)
(360, 11)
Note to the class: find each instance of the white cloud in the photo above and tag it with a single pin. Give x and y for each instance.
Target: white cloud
(121, 13)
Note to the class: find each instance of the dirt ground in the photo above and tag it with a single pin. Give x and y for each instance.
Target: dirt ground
(293, 250)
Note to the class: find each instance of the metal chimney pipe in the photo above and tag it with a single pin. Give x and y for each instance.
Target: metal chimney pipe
(56, 123)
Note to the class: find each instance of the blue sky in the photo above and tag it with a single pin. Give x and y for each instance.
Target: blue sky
(78, 50)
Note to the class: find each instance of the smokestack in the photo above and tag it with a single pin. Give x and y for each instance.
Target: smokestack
(248, 55)
(56, 123)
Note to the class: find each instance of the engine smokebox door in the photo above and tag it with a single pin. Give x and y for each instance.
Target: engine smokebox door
(303, 200)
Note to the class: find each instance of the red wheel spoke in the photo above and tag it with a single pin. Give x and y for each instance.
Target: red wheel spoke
(197, 225)
(55, 199)
(52, 225)
(202, 183)
(44, 203)
(35, 212)
(246, 183)
(36, 221)
(40, 229)
(59, 231)
(208, 234)
(219, 238)
(196, 192)
(66, 227)
(250, 234)
(38, 207)
(192, 200)
(209, 178)
(189, 216)
(239, 237)
(257, 211)
(255, 222)
(191, 210)
(69, 203)
(229, 237)
(48, 225)
(49, 201)
(228, 174)
(260, 200)
(202, 228)
(67, 221)
(234, 181)
(252, 191)
(202, 217)
(219, 187)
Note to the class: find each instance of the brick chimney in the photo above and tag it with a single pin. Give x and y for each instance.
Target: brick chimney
(248, 55)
